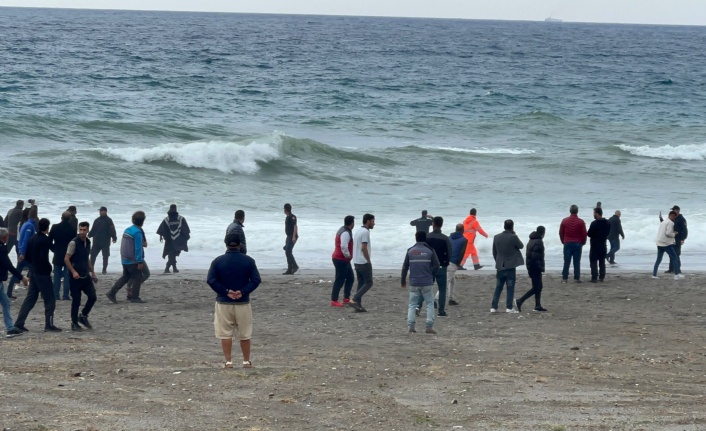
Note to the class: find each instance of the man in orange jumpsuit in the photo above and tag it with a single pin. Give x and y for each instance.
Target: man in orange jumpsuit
(471, 226)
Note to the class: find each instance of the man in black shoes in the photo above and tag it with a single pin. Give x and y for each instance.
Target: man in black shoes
(534, 259)
(78, 261)
(132, 256)
(175, 232)
(292, 232)
(37, 256)
(102, 232)
(598, 232)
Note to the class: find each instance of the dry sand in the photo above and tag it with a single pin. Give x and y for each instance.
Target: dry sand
(628, 354)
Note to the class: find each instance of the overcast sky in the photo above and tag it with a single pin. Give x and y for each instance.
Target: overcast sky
(691, 12)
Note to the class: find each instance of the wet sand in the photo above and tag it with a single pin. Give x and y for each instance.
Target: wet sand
(627, 354)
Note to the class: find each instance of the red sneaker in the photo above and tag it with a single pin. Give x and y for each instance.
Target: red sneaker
(346, 301)
(336, 304)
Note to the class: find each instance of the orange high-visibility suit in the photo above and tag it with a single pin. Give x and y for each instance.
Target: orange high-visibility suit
(471, 226)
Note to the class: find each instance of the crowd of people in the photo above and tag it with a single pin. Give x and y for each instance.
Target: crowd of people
(434, 259)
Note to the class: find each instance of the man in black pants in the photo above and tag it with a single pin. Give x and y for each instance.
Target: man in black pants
(37, 256)
(292, 232)
(132, 258)
(534, 259)
(77, 259)
(598, 232)
(102, 232)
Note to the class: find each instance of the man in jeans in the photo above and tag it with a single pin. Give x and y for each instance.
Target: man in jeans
(361, 260)
(133, 258)
(665, 244)
(5, 266)
(422, 263)
(61, 235)
(572, 233)
(341, 257)
(458, 250)
(507, 252)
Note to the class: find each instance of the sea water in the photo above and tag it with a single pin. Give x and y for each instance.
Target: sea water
(348, 115)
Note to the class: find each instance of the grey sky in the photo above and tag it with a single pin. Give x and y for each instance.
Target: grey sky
(692, 12)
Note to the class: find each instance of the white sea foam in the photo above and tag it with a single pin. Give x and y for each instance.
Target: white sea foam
(668, 152)
(228, 157)
(484, 150)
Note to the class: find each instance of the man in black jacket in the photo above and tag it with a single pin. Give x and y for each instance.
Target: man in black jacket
(534, 259)
(682, 232)
(61, 235)
(11, 221)
(598, 232)
(507, 252)
(616, 231)
(37, 256)
(441, 244)
(102, 232)
(78, 261)
(5, 266)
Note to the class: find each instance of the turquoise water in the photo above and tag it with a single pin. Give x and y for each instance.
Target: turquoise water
(345, 115)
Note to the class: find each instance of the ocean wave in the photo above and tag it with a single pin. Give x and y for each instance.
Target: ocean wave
(668, 152)
(484, 150)
(227, 157)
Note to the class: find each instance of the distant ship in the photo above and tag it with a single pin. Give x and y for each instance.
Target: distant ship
(550, 19)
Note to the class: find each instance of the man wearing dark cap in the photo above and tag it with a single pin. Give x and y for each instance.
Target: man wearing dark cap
(74, 220)
(102, 233)
(11, 221)
(233, 276)
(682, 232)
(175, 233)
(423, 223)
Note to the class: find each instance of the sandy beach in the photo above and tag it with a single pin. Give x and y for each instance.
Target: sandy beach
(627, 354)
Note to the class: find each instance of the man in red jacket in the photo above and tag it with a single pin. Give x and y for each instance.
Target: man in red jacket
(572, 233)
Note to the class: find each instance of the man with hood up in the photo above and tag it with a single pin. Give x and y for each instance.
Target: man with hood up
(175, 233)
(598, 232)
(534, 259)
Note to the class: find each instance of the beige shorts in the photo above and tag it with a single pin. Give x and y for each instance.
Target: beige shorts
(231, 320)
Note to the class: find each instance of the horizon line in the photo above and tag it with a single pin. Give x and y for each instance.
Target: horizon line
(350, 15)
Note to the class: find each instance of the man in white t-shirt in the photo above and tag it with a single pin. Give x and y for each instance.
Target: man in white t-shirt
(362, 262)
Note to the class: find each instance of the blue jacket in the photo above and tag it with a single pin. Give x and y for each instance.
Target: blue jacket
(131, 251)
(26, 232)
(233, 271)
(458, 247)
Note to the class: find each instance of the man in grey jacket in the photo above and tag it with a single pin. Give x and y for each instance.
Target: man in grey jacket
(507, 252)
(422, 263)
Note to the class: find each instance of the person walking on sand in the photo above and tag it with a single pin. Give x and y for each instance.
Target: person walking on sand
(27, 229)
(422, 264)
(616, 231)
(175, 232)
(507, 252)
(145, 269)
(233, 276)
(573, 235)
(78, 260)
(238, 227)
(5, 266)
(598, 232)
(665, 244)
(292, 232)
(102, 232)
(534, 259)
(442, 247)
(37, 256)
(61, 234)
(341, 257)
(682, 232)
(362, 250)
(132, 258)
(471, 228)
(458, 249)
(11, 221)
(423, 223)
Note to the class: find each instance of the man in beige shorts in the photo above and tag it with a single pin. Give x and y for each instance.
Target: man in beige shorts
(233, 276)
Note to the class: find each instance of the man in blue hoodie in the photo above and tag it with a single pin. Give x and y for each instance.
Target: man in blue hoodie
(233, 276)
(27, 231)
(133, 259)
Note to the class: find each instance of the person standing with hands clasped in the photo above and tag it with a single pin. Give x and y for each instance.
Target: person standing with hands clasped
(233, 276)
